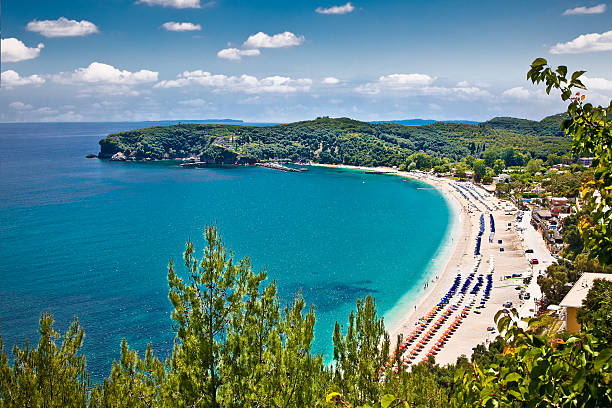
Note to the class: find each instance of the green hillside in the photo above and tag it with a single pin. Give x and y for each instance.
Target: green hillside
(340, 140)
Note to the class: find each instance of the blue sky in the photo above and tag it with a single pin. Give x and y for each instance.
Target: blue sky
(115, 60)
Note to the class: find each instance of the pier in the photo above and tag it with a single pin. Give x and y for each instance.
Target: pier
(276, 166)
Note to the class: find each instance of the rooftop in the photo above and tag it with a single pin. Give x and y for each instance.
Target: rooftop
(581, 288)
(543, 213)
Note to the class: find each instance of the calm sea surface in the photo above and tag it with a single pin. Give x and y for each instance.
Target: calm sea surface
(93, 238)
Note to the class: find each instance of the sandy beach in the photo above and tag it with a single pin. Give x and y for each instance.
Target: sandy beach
(464, 320)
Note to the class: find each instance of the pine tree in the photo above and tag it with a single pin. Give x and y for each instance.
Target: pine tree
(359, 355)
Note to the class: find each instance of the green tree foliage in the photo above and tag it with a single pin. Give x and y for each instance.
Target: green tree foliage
(559, 277)
(520, 369)
(425, 385)
(538, 371)
(596, 312)
(499, 166)
(490, 156)
(566, 184)
(360, 353)
(234, 347)
(461, 174)
(553, 159)
(591, 130)
(533, 166)
(557, 281)
(572, 237)
(51, 375)
(480, 170)
(334, 141)
(134, 382)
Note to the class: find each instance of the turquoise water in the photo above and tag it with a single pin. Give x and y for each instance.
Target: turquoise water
(93, 238)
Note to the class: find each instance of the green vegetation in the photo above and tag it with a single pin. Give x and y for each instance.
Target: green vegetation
(236, 346)
(559, 277)
(597, 309)
(342, 140)
(591, 130)
(521, 368)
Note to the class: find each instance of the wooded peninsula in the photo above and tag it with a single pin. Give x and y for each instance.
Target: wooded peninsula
(341, 141)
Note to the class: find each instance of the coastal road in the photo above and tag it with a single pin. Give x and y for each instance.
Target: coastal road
(532, 239)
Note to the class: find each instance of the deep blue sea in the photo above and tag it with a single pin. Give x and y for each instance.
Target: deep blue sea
(93, 238)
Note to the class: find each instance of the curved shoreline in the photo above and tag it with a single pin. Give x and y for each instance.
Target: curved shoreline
(406, 308)
(457, 257)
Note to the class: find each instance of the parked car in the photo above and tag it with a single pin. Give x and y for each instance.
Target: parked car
(534, 261)
(529, 251)
(507, 304)
(499, 241)
(526, 296)
(517, 275)
(501, 249)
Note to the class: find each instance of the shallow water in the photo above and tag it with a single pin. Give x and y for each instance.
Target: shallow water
(93, 238)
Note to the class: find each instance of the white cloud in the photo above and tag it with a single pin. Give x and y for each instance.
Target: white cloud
(330, 81)
(243, 83)
(98, 72)
(194, 102)
(62, 27)
(95, 89)
(70, 116)
(179, 4)
(14, 50)
(517, 93)
(45, 113)
(455, 93)
(523, 94)
(20, 106)
(347, 8)
(585, 43)
(399, 82)
(600, 84)
(235, 54)
(250, 48)
(281, 40)
(45, 110)
(598, 9)
(410, 85)
(403, 81)
(174, 26)
(11, 79)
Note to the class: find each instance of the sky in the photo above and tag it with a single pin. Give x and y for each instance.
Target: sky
(282, 61)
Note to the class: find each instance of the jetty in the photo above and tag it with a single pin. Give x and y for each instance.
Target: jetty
(280, 167)
(195, 164)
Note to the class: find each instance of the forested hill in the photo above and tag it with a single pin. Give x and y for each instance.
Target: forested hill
(341, 140)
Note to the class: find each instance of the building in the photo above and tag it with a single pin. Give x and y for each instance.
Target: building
(586, 161)
(559, 201)
(549, 226)
(573, 300)
(559, 205)
(502, 178)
